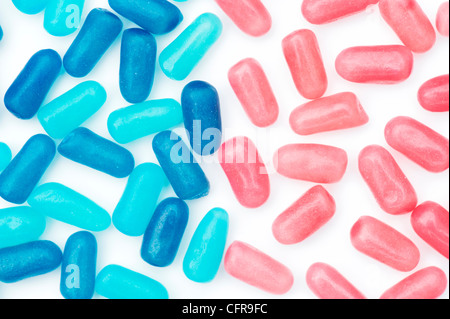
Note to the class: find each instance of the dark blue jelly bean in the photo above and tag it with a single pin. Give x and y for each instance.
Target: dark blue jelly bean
(78, 269)
(164, 232)
(28, 260)
(21, 176)
(87, 148)
(99, 31)
(27, 93)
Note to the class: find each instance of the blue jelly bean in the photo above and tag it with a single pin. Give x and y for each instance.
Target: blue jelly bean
(98, 33)
(117, 282)
(155, 16)
(28, 260)
(201, 111)
(1, 33)
(62, 17)
(5, 156)
(205, 251)
(87, 148)
(30, 6)
(28, 91)
(180, 57)
(78, 266)
(21, 176)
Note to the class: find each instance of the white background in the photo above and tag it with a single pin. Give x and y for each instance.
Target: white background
(24, 35)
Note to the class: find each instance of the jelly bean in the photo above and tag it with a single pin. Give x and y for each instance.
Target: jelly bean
(5, 156)
(385, 244)
(78, 266)
(201, 112)
(428, 283)
(431, 222)
(304, 59)
(335, 112)
(442, 19)
(25, 96)
(164, 232)
(252, 88)
(419, 143)
(20, 225)
(97, 34)
(257, 269)
(117, 282)
(64, 204)
(389, 185)
(28, 260)
(410, 24)
(21, 176)
(30, 7)
(136, 206)
(251, 16)
(136, 121)
(433, 95)
(73, 108)
(327, 283)
(62, 17)
(205, 251)
(1, 33)
(155, 16)
(306, 216)
(311, 162)
(185, 175)
(383, 64)
(245, 171)
(180, 57)
(87, 148)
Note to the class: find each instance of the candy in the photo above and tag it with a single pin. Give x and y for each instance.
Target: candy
(204, 254)
(433, 95)
(62, 17)
(28, 91)
(245, 171)
(180, 57)
(304, 59)
(442, 19)
(21, 176)
(5, 156)
(78, 266)
(335, 112)
(306, 216)
(419, 143)
(391, 188)
(30, 7)
(164, 232)
(252, 88)
(87, 148)
(382, 64)
(257, 269)
(385, 244)
(99, 31)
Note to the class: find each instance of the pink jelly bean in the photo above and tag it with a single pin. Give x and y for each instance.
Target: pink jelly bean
(442, 19)
(433, 95)
(309, 213)
(419, 143)
(254, 267)
(383, 64)
(385, 244)
(336, 112)
(410, 23)
(246, 171)
(392, 190)
(327, 283)
(428, 283)
(431, 222)
(304, 59)
(250, 83)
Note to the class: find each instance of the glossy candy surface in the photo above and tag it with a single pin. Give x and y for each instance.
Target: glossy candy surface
(433, 95)
(62, 17)
(5, 156)
(442, 19)
(30, 6)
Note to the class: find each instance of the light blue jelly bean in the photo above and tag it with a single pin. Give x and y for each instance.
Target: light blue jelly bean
(73, 108)
(64, 204)
(62, 17)
(5, 156)
(136, 121)
(30, 6)
(138, 202)
(117, 282)
(180, 57)
(205, 252)
(1, 33)
(20, 225)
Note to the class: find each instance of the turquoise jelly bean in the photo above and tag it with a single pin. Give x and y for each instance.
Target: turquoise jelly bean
(73, 108)
(5, 156)
(64, 204)
(205, 252)
(117, 282)
(30, 6)
(62, 17)
(138, 202)
(180, 57)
